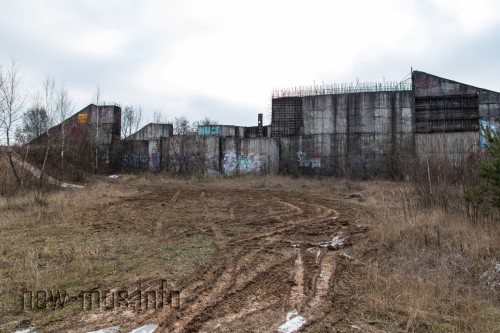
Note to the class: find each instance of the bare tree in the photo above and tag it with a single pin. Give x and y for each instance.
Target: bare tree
(203, 122)
(64, 104)
(182, 126)
(97, 100)
(207, 121)
(50, 104)
(12, 102)
(159, 117)
(131, 119)
(33, 124)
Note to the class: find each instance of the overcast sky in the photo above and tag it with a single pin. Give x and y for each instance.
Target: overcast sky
(222, 58)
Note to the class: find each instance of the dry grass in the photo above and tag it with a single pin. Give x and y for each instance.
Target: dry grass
(427, 270)
(419, 269)
(57, 246)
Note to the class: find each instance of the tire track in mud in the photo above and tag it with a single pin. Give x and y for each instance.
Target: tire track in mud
(263, 267)
(297, 299)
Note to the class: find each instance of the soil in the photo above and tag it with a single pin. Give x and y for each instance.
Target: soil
(272, 253)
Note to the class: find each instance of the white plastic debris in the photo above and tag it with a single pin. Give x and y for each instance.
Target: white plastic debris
(114, 176)
(335, 242)
(27, 330)
(345, 255)
(149, 328)
(293, 322)
(111, 329)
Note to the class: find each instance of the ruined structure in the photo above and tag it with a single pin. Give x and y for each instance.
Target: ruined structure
(346, 129)
(213, 149)
(362, 130)
(90, 137)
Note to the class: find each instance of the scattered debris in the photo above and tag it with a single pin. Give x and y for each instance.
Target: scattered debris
(345, 255)
(27, 330)
(293, 322)
(334, 244)
(114, 176)
(149, 328)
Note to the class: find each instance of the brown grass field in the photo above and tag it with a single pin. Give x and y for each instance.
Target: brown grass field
(243, 252)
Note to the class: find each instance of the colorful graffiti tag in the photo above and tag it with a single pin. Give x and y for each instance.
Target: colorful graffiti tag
(306, 162)
(135, 161)
(154, 155)
(246, 162)
(490, 125)
(209, 130)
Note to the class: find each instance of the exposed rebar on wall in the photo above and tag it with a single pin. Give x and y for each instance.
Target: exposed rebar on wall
(342, 88)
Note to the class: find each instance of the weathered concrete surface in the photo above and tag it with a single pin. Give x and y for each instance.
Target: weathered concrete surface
(90, 128)
(153, 132)
(249, 155)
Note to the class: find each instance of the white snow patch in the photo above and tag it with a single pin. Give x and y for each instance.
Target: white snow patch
(336, 241)
(28, 330)
(149, 328)
(111, 329)
(293, 322)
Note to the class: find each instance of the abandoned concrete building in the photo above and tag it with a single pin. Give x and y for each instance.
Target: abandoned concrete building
(332, 130)
(91, 138)
(337, 129)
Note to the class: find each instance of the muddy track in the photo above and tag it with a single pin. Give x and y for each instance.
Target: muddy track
(274, 255)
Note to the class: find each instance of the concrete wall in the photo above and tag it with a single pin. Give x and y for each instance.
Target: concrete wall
(152, 132)
(221, 130)
(346, 133)
(211, 155)
(361, 134)
(94, 126)
(135, 156)
(458, 143)
(249, 155)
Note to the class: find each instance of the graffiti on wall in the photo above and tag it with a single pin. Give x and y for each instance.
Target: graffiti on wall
(135, 161)
(209, 130)
(490, 125)
(309, 162)
(154, 155)
(246, 162)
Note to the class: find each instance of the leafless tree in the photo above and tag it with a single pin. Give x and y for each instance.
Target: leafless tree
(64, 105)
(207, 121)
(97, 101)
(182, 126)
(131, 119)
(203, 122)
(33, 124)
(50, 105)
(186, 151)
(159, 117)
(12, 102)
